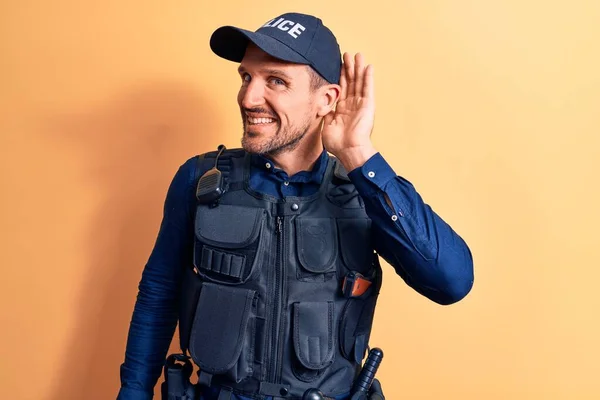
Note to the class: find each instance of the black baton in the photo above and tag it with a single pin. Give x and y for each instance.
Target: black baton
(363, 381)
(366, 375)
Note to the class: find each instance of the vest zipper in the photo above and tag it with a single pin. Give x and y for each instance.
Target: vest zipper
(277, 318)
(283, 310)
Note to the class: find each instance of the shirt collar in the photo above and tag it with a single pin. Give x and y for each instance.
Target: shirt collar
(313, 176)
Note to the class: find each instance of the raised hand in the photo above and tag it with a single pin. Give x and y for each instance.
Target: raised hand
(347, 129)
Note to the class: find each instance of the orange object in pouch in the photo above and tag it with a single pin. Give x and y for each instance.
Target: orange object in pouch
(355, 284)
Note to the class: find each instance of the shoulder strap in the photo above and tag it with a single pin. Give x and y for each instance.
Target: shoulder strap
(339, 171)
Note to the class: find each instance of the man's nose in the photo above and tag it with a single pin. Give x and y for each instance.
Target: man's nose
(253, 95)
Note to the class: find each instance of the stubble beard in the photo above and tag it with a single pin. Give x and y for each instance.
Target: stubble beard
(283, 140)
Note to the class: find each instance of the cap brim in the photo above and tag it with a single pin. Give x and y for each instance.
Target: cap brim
(230, 43)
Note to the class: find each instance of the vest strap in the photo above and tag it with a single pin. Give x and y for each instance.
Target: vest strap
(272, 389)
(340, 172)
(225, 394)
(233, 186)
(205, 379)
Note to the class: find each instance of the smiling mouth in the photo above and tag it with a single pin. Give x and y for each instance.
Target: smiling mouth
(259, 121)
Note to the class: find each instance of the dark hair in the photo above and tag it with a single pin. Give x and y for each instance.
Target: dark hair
(316, 80)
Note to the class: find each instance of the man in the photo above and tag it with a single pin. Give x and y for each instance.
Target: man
(276, 245)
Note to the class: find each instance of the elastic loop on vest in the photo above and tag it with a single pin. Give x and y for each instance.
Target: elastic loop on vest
(205, 379)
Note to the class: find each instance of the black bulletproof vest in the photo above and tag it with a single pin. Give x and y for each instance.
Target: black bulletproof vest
(263, 310)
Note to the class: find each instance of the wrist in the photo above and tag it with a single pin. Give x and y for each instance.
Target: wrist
(355, 157)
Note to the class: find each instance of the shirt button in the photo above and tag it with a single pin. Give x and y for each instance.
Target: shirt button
(394, 217)
(283, 391)
(371, 174)
(286, 183)
(295, 207)
(268, 165)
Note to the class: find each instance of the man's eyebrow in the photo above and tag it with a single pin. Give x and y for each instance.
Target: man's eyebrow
(268, 71)
(276, 72)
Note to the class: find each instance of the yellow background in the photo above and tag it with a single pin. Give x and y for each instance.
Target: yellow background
(490, 108)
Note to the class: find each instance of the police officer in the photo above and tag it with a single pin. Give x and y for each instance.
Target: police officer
(268, 255)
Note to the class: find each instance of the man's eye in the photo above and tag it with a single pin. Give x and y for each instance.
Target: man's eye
(246, 78)
(277, 81)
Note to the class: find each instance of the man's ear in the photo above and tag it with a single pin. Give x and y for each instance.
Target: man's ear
(328, 95)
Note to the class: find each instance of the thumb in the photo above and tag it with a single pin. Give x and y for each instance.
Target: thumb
(328, 118)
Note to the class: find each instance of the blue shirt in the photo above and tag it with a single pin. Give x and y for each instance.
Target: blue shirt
(422, 248)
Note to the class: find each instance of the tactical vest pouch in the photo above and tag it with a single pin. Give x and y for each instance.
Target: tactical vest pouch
(355, 235)
(314, 341)
(355, 327)
(191, 287)
(228, 245)
(222, 339)
(317, 248)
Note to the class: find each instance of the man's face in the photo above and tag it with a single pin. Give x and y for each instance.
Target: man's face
(276, 103)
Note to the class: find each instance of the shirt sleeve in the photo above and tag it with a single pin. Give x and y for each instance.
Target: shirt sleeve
(156, 309)
(423, 249)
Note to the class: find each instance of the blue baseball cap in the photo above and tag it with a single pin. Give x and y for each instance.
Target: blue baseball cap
(293, 37)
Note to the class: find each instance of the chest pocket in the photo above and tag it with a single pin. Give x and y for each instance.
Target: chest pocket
(228, 246)
(316, 248)
(355, 244)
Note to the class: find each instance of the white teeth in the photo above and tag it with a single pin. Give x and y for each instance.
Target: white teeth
(260, 120)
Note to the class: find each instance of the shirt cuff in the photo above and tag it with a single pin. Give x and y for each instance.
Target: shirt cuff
(372, 176)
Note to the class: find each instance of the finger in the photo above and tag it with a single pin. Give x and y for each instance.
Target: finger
(376, 387)
(368, 89)
(375, 392)
(359, 74)
(349, 63)
(343, 83)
